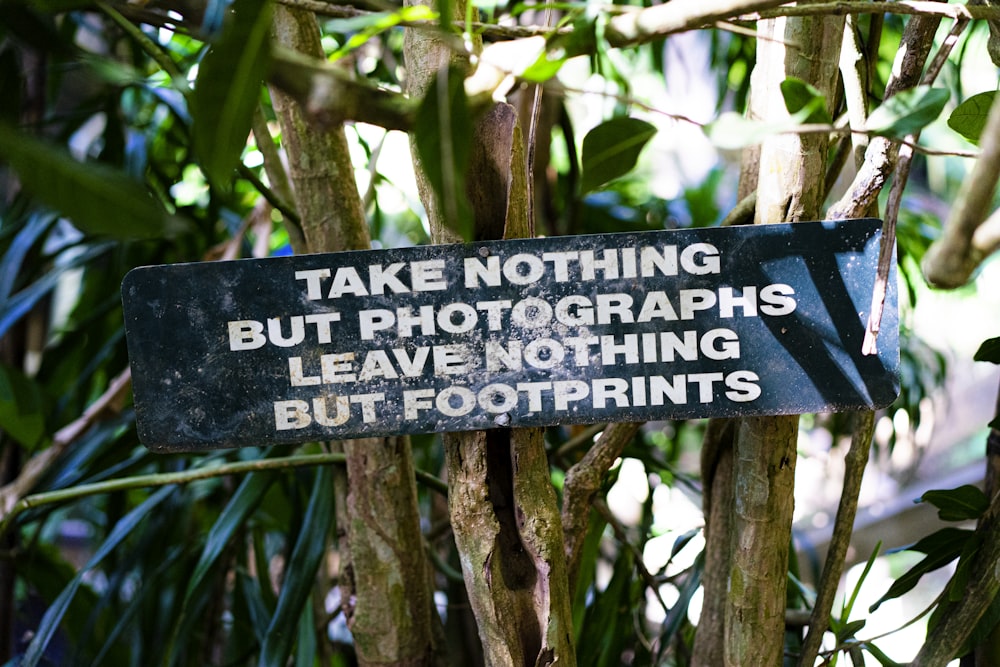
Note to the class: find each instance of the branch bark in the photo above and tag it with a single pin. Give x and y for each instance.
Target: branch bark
(967, 241)
(843, 527)
(387, 595)
(581, 485)
(503, 508)
(961, 617)
(789, 189)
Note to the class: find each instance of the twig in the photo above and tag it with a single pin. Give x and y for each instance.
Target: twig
(109, 401)
(188, 476)
(951, 260)
(906, 7)
(880, 158)
(602, 508)
(581, 439)
(855, 462)
(581, 485)
(152, 49)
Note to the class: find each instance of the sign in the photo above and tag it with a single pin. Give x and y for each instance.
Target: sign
(716, 322)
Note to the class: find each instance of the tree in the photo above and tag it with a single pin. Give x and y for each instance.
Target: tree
(209, 130)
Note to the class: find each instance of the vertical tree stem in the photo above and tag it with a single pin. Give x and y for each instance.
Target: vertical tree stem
(789, 189)
(843, 527)
(387, 589)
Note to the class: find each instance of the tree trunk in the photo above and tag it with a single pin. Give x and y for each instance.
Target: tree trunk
(503, 508)
(386, 586)
(791, 172)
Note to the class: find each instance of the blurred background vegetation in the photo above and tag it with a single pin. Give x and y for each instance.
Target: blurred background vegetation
(118, 149)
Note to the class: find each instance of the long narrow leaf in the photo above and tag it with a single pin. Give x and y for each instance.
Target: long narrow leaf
(97, 198)
(53, 617)
(228, 89)
(21, 303)
(939, 553)
(13, 257)
(241, 505)
(299, 577)
(246, 498)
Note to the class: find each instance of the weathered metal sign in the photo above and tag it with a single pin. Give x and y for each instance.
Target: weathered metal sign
(693, 323)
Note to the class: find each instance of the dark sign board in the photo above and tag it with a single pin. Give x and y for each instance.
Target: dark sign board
(715, 322)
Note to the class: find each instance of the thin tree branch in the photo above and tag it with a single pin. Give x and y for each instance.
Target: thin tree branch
(109, 402)
(645, 25)
(904, 160)
(961, 617)
(581, 485)
(601, 507)
(905, 7)
(855, 463)
(880, 158)
(966, 241)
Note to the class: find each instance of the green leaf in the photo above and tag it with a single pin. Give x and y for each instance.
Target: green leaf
(877, 653)
(301, 572)
(232, 519)
(603, 636)
(305, 654)
(581, 40)
(678, 613)
(732, 130)
(804, 101)
(988, 351)
(54, 614)
(908, 111)
(20, 304)
(969, 117)
(547, 66)
(586, 570)
(12, 261)
(848, 630)
(941, 547)
(246, 498)
(849, 604)
(228, 90)
(966, 503)
(97, 198)
(257, 610)
(959, 580)
(612, 149)
(22, 414)
(444, 138)
(364, 28)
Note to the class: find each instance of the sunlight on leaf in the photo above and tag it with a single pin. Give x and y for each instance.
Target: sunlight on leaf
(969, 117)
(908, 111)
(612, 149)
(444, 138)
(804, 101)
(228, 89)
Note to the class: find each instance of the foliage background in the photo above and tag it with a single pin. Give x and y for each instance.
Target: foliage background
(124, 130)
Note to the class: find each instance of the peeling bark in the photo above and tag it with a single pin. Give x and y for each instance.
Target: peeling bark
(504, 513)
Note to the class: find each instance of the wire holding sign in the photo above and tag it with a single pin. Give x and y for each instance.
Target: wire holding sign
(658, 325)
